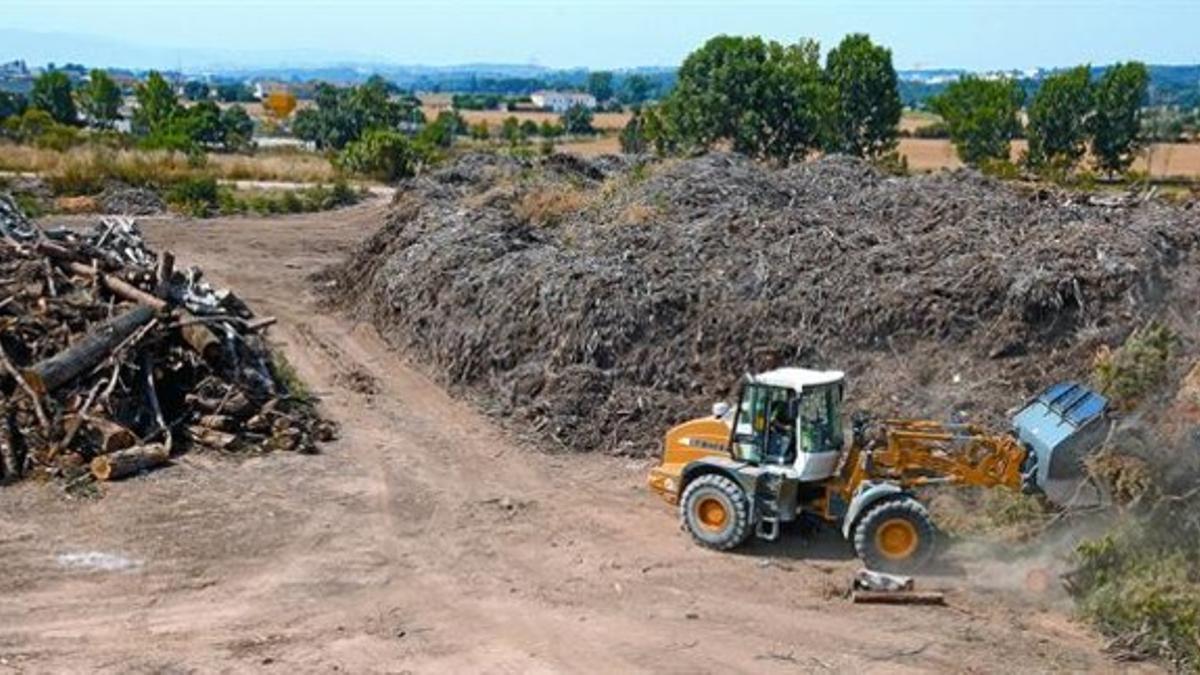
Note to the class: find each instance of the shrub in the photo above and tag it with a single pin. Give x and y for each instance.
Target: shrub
(480, 131)
(305, 200)
(36, 127)
(194, 196)
(1138, 584)
(1128, 374)
(383, 154)
(1000, 168)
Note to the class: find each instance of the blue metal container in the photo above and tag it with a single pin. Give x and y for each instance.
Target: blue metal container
(1061, 426)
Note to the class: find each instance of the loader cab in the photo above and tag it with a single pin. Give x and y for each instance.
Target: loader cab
(792, 418)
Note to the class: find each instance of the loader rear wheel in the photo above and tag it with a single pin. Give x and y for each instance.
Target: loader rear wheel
(895, 536)
(715, 511)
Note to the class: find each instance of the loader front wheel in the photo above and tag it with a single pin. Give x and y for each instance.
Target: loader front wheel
(716, 512)
(895, 536)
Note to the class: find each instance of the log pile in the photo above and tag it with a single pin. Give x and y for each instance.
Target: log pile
(112, 360)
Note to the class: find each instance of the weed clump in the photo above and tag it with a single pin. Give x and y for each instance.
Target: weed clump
(1128, 374)
(1140, 583)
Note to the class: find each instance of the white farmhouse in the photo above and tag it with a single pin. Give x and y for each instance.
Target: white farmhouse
(561, 101)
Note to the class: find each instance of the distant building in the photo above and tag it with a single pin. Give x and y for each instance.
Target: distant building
(14, 69)
(264, 87)
(561, 101)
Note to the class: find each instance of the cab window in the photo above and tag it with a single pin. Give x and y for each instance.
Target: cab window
(753, 427)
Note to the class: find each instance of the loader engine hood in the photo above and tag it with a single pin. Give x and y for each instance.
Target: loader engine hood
(1061, 426)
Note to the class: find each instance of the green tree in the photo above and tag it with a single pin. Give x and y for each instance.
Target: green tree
(981, 116)
(202, 124)
(867, 106)
(510, 130)
(342, 115)
(638, 88)
(440, 133)
(549, 129)
(100, 99)
(600, 85)
(577, 120)
(1058, 118)
(11, 105)
(157, 105)
(234, 92)
(766, 99)
(195, 90)
(1116, 125)
(29, 125)
(633, 135)
(656, 128)
(529, 128)
(52, 93)
(383, 154)
(237, 127)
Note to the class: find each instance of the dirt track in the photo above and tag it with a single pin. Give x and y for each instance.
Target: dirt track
(426, 541)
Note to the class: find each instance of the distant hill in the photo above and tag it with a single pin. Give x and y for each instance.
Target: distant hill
(1177, 85)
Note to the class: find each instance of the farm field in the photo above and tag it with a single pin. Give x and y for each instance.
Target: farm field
(604, 121)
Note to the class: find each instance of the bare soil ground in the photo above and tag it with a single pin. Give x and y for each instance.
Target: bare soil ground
(425, 540)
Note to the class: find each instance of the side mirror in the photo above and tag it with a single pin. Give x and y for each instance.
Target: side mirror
(720, 409)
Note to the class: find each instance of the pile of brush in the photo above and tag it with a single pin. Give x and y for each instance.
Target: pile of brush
(112, 360)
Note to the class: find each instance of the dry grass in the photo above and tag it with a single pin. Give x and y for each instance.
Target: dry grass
(1161, 160)
(547, 206)
(141, 166)
(639, 214)
(593, 147)
(300, 167)
(912, 120)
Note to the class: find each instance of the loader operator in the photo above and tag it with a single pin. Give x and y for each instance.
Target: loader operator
(782, 437)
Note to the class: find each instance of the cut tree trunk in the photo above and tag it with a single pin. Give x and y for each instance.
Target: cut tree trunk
(162, 275)
(199, 337)
(211, 437)
(52, 373)
(203, 341)
(119, 287)
(128, 461)
(898, 598)
(109, 436)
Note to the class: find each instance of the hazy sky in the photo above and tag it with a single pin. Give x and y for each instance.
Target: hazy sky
(595, 33)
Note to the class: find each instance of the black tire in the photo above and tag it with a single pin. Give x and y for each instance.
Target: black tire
(716, 512)
(895, 536)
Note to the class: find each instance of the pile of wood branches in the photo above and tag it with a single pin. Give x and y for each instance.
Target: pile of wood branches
(632, 298)
(112, 360)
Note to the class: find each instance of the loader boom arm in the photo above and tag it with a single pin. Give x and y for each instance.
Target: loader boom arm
(913, 453)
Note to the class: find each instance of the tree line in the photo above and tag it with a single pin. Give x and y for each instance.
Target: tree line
(56, 110)
(1069, 116)
(779, 103)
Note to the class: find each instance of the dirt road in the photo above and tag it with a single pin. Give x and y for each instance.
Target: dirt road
(425, 541)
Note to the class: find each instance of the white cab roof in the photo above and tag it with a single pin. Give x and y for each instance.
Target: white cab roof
(799, 378)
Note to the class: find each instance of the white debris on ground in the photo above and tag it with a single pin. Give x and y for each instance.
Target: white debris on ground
(96, 560)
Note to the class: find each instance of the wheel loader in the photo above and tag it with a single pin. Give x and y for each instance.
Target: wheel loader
(781, 454)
